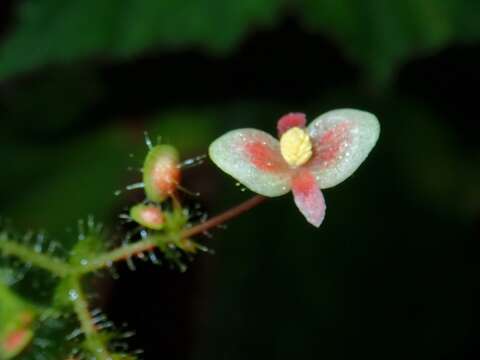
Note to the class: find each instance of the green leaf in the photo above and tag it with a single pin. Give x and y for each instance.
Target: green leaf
(382, 34)
(377, 35)
(434, 164)
(49, 104)
(59, 31)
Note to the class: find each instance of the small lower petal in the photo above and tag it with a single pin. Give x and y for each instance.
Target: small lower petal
(308, 197)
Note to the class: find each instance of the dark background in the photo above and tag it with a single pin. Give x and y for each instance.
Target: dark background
(392, 273)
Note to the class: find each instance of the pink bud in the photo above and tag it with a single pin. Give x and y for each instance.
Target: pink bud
(161, 172)
(150, 216)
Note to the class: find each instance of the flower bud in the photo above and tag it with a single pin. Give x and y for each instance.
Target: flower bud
(17, 338)
(150, 216)
(161, 172)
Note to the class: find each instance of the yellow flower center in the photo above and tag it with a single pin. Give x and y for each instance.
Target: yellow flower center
(296, 146)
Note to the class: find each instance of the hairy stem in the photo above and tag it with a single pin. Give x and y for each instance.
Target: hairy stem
(150, 243)
(62, 269)
(122, 253)
(93, 342)
(224, 217)
(30, 256)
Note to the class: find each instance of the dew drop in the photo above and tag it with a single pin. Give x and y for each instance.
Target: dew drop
(73, 295)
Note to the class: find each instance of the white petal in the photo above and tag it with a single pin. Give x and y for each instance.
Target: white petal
(253, 158)
(342, 140)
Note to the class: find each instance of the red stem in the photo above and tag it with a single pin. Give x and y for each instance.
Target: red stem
(142, 246)
(223, 217)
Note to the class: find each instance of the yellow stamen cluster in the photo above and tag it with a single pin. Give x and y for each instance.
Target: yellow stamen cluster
(296, 146)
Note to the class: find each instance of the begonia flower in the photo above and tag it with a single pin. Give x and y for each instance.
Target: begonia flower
(305, 160)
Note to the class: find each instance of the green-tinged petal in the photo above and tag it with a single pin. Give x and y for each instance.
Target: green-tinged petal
(342, 139)
(253, 158)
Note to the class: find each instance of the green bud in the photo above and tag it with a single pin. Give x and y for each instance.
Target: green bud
(16, 323)
(150, 216)
(161, 172)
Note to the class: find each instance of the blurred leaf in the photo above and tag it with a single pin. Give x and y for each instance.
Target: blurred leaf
(83, 183)
(382, 34)
(50, 335)
(49, 103)
(432, 160)
(58, 31)
(378, 35)
(186, 130)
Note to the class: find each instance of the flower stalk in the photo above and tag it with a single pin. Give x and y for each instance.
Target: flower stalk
(62, 268)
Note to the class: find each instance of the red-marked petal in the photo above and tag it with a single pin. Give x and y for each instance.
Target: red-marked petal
(291, 120)
(328, 146)
(253, 158)
(341, 140)
(308, 197)
(264, 156)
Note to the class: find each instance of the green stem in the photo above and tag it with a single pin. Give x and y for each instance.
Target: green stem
(62, 269)
(119, 254)
(153, 241)
(49, 263)
(224, 217)
(93, 342)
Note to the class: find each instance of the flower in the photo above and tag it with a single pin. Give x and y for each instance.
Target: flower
(305, 160)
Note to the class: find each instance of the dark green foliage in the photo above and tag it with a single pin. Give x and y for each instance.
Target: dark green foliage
(381, 35)
(56, 31)
(377, 35)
